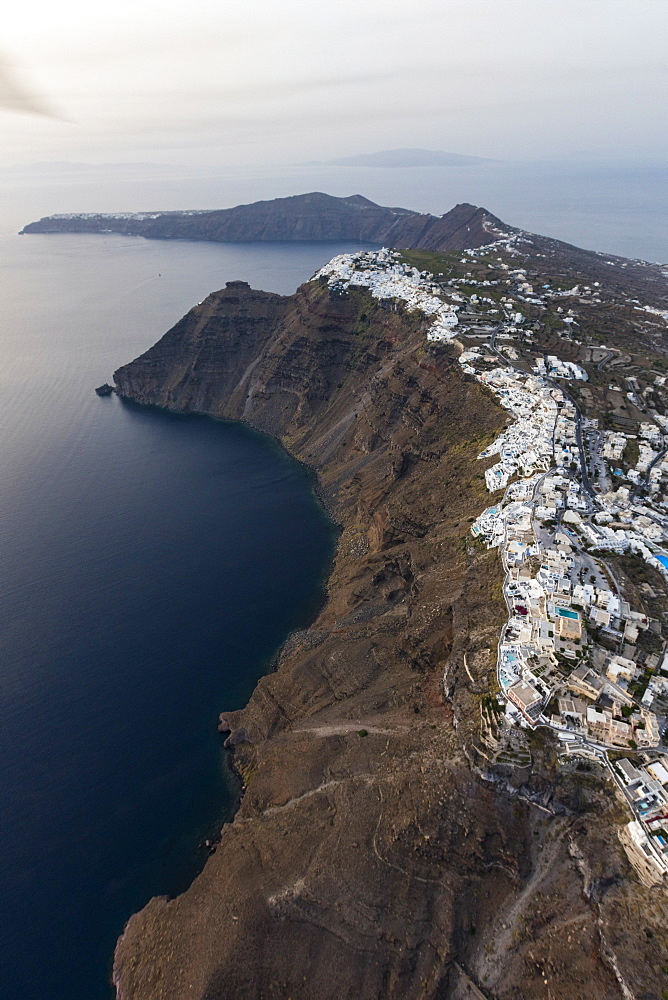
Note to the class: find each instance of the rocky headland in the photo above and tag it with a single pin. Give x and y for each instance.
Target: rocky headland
(379, 851)
(314, 216)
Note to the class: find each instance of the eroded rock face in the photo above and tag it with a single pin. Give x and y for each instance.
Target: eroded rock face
(375, 854)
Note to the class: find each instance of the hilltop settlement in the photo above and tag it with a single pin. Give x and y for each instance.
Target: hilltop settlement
(579, 481)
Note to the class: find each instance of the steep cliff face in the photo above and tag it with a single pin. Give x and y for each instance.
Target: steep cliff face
(312, 216)
(213, 349)
(369, 858)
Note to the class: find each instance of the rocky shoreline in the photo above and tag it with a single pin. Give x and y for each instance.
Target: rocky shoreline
(375, 853)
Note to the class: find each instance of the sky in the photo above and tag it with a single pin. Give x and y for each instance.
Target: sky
(283, 81)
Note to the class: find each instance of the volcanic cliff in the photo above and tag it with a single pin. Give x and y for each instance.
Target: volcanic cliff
(374, 853)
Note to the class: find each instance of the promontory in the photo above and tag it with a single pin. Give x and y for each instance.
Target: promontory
(453, 780)
(314, 216)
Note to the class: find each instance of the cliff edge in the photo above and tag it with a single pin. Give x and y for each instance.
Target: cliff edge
(375, 854)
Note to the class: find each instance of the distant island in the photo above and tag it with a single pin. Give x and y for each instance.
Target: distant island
(403, 158)
(313, 216)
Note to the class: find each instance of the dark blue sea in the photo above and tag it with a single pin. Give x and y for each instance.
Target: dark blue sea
(150, 567)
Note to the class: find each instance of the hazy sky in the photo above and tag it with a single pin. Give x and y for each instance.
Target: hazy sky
(279, 81)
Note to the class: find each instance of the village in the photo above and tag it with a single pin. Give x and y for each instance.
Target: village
(574, 655)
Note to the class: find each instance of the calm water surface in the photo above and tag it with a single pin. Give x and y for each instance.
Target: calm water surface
(150, 567)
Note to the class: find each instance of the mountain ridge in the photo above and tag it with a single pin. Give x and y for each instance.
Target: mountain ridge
(312, 216)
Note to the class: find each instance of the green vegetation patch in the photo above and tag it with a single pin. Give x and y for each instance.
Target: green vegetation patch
(438, 263)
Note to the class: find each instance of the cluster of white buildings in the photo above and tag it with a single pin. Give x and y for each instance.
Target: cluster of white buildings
(560, 605)
(550, 605)
(557, 368)
(551, 608)
(526, 446)
(619, 523)
(385, 277)
(543, 433)
(651, 442)
(622, 524)
(646, 837)
(544, 526)
(614, 444)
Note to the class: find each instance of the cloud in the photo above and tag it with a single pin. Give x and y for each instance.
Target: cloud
(16, 96)
(304, 80)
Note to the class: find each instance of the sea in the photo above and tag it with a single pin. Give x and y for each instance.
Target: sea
(151, 564)
(150, 567)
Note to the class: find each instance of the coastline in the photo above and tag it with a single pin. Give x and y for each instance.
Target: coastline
(372, 833)
(402, 709)
(325, 501)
